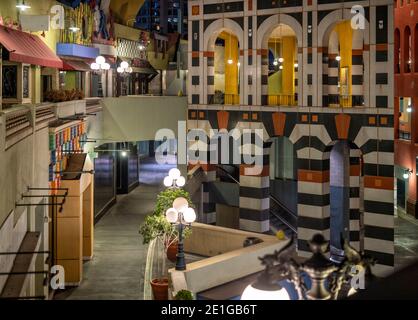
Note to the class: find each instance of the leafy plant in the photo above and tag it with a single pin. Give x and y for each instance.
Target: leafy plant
(63, 95)
(184, 295)
(165, 199)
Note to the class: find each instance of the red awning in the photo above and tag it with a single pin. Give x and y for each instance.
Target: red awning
(27, 48)
(75, 65)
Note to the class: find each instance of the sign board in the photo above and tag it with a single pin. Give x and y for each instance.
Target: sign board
(34, 23)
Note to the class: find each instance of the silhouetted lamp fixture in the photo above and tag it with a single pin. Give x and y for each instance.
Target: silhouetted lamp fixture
(181, 215)
(327, 278)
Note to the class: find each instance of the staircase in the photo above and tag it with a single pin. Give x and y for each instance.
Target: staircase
(281, 217)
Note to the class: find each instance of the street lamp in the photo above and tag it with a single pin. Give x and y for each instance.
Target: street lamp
(124, 68)
(181, 215)
(327, 278)
(174, 179)
(100, 65)
(407, 174)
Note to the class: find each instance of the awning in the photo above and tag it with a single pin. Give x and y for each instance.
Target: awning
(74, 65)
(27, 48)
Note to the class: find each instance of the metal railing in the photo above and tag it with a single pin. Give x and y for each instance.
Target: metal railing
(282, 100)
(277, 209)
(283, 213)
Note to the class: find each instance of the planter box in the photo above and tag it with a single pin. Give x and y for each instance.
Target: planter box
(70, 108)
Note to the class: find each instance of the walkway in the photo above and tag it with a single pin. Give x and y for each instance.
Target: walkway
(117, 268)
(406, 240)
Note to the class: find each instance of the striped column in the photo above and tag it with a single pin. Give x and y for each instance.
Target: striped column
(354, 227)
(357, 69)
(210, 76)
(263, 54)
(325, 77)
(254, 197)
(333, 71)
(208, 203)
(313, 201)
(379, 222)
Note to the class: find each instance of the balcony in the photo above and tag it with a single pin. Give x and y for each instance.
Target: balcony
(224, 99)
(345, 101)
(282, 100)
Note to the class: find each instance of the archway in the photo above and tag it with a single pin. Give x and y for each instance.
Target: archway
(283, 172)
(398, 57)
(226, 69)
(282, 67)
(345, 61)
(345, 197)
(407, 52)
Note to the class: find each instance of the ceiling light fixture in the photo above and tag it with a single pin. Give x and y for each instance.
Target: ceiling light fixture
(23, 6)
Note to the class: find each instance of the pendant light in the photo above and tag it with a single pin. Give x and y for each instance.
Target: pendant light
(275, 62)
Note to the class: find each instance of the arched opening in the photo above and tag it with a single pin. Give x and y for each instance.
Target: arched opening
(397, 51)
(226, 69)
(283, 172)
(339, 197)
(345, 66)
(346, 198)
(407, 50)
(282, 67)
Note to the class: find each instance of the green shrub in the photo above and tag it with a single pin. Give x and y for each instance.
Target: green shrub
(184, 295)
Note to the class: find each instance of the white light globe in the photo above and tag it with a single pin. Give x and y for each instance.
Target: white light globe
(168, 181)
(180, 204)
(94, 66)
(106, 66)
(174, 173)
(275, 62)
(281, 60)
(124, 65)
(251, 293)
(230, 61)
(100, 60)
(406, 176)
(172, 215)
(189, 215)
(124, 154)
(180, 182)
(338, 58)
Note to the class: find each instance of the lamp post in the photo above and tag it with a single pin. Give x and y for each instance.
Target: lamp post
(181, 215)
(99, 67)
(174, 179)
(327, 278)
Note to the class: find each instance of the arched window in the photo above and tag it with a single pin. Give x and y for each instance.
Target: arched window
(397, 51)
(407, 50)
(282, 67)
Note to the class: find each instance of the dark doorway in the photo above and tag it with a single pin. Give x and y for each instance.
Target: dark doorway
(339, 197)
(401, 193)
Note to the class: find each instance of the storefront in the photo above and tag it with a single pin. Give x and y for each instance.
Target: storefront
(23, 56)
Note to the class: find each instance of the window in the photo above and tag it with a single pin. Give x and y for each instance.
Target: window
(25, 82)
(9, 81)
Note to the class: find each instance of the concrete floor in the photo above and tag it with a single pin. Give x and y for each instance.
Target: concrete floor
(406, 240)
(117, 268)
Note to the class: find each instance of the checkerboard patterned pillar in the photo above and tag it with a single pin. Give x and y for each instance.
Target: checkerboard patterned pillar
(254, 200)
(355, 173)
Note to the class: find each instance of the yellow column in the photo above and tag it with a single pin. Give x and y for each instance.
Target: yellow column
(288, 52)
(345, 38)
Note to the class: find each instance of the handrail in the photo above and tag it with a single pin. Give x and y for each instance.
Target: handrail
(228, 174)
(287, 210)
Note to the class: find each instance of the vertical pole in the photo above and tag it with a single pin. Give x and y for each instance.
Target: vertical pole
(180, 263)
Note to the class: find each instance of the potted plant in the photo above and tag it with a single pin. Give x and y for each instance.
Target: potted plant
(165, 201)
(162, 236)
(183, 295)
